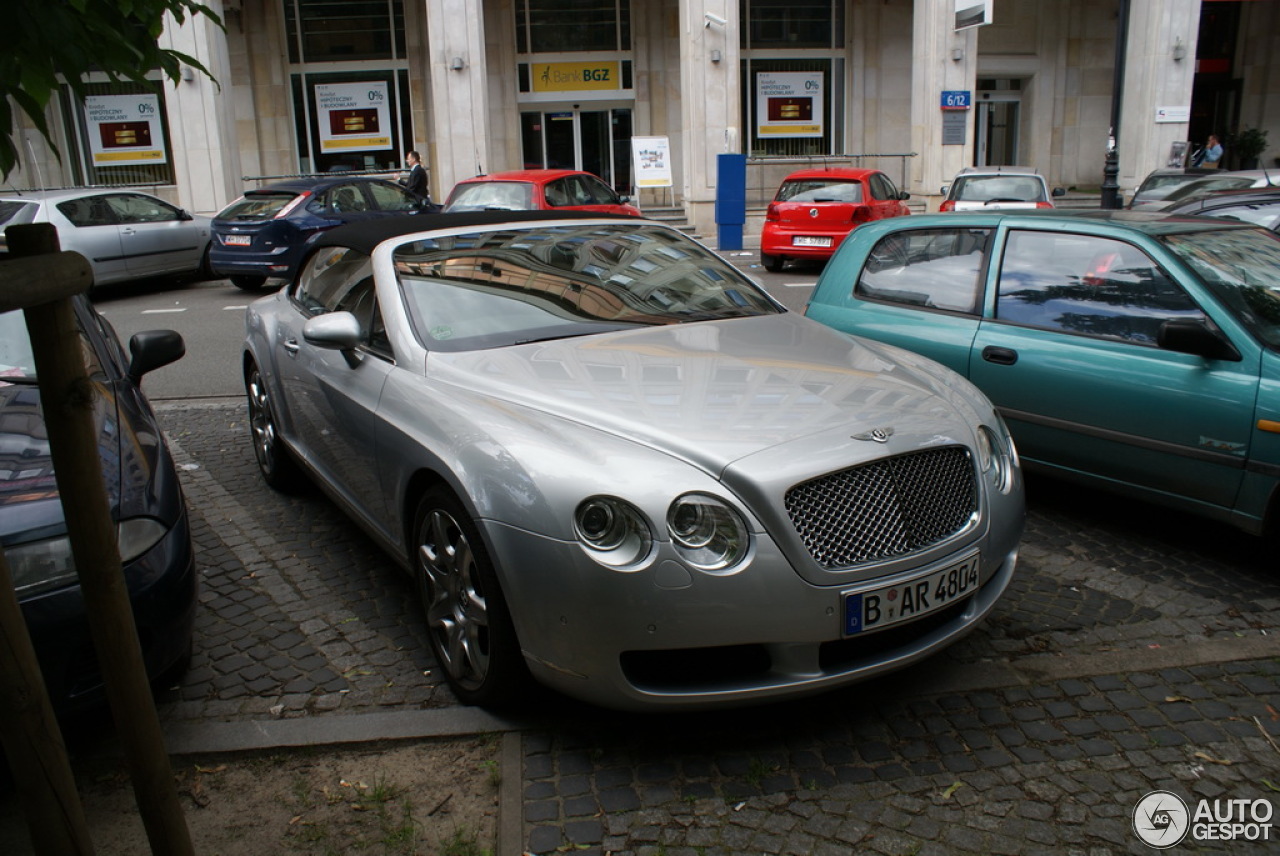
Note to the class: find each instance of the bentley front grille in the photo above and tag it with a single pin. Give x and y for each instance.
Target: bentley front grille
(886, 508)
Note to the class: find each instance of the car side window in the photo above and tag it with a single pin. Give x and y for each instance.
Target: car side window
(88, 211)
(1087, 285)
(557, 193)
(132, 208)
(346, 198)
(882, 187)
(388, 197)
(599, 192)
(339, 279)
(927, 268)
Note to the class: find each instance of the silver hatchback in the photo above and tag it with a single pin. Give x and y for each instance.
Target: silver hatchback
(125, 234)
(612, 463)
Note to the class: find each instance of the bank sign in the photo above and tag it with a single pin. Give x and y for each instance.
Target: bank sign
(574, 76)
(353, 117)
(789, 104)
(124, 130)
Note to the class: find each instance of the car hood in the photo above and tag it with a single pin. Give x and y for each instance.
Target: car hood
(29, 506)
(718, 391)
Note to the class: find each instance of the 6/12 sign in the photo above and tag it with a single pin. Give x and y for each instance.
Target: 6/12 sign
(955, 99)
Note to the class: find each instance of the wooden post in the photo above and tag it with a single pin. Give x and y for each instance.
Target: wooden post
(66, 395)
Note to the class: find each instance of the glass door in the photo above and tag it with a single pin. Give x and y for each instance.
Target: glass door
(596, 141)
(997, 131)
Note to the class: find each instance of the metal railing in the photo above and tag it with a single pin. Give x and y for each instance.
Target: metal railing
(765, 173)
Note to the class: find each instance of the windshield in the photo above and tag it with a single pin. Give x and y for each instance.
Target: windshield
(813, 190)
(498, 288)
(492, 195)
(989, 188)
(16, 362)
(1242, 267)
(256, 206)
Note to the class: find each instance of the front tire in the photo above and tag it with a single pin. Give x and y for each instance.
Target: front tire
(468, 622)
(247, 282)
(275, 461)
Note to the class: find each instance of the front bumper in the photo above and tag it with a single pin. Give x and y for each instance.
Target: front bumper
(667, 636)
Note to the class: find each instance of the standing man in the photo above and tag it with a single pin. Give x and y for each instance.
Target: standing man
(416, 180)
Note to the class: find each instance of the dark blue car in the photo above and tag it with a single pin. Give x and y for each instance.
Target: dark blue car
(264, 234)
(146, 502)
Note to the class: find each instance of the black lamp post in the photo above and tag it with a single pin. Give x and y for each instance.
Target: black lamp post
(1111, 189)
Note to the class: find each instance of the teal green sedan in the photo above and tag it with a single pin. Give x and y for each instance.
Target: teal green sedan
(1130, 351)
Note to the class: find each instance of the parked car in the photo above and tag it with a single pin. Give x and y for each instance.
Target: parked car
(538, 190)
(1258, 206)
(1161, 182)
(996, 188)
(1133, 352)
(1216, 182)
(146, 503)
(125, 234)
(264, 234)
(814, 209)
(610, 460)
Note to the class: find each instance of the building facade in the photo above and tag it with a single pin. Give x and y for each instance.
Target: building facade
(912, 87)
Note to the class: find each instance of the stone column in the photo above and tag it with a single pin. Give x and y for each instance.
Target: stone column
(1157, 85)
(202, 121)
(945, 60)
(710, 96)
(458, 134)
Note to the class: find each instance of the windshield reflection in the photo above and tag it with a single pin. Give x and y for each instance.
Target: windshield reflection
(493, 289)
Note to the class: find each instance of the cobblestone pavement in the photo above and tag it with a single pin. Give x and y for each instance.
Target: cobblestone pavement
(1136, 651)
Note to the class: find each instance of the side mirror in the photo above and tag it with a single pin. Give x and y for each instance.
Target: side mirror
(1193, 336)
(184, 214)
(151, 349)
(904, 196)
(946, 188)
(337, 331)
(1059, 191)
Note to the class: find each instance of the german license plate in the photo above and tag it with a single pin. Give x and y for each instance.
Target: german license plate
(238, 240)
(884, 607)
(811, 241)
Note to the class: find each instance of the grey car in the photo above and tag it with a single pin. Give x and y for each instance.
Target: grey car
(614, 464)
(125, 234)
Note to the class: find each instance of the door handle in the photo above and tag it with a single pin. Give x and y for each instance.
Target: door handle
(1000, 356)
(290, 347)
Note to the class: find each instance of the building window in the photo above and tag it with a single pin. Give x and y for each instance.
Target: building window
(121, 134)
(792, 25)
(568, 26)
(344, 30)
(793, 77)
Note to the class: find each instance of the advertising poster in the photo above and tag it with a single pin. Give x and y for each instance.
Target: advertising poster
(353, 116)
(789, 104)
(651, 161)
(124, 129)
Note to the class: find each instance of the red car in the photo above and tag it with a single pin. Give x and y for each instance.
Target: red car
(537, 189)
(815, 208)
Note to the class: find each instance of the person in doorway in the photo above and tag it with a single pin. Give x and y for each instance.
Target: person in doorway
(416, 180)
(1211, 153)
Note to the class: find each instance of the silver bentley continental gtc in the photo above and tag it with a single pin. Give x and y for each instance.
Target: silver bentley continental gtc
(613, 464)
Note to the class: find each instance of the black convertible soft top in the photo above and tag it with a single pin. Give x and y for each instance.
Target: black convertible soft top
(367, 234)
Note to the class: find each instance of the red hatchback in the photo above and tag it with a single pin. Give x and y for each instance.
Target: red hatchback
(537, 190)
(815, 208)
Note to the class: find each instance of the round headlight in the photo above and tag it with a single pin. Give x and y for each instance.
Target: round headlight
(613, 531)
(707, 533)
(997, 457)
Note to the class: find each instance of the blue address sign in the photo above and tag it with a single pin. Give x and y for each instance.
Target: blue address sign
(955, 99)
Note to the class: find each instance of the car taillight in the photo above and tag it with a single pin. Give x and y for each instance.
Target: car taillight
(301, 198)
(1044, 204)
(861, 214)
(947, 205)
(771, 213)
